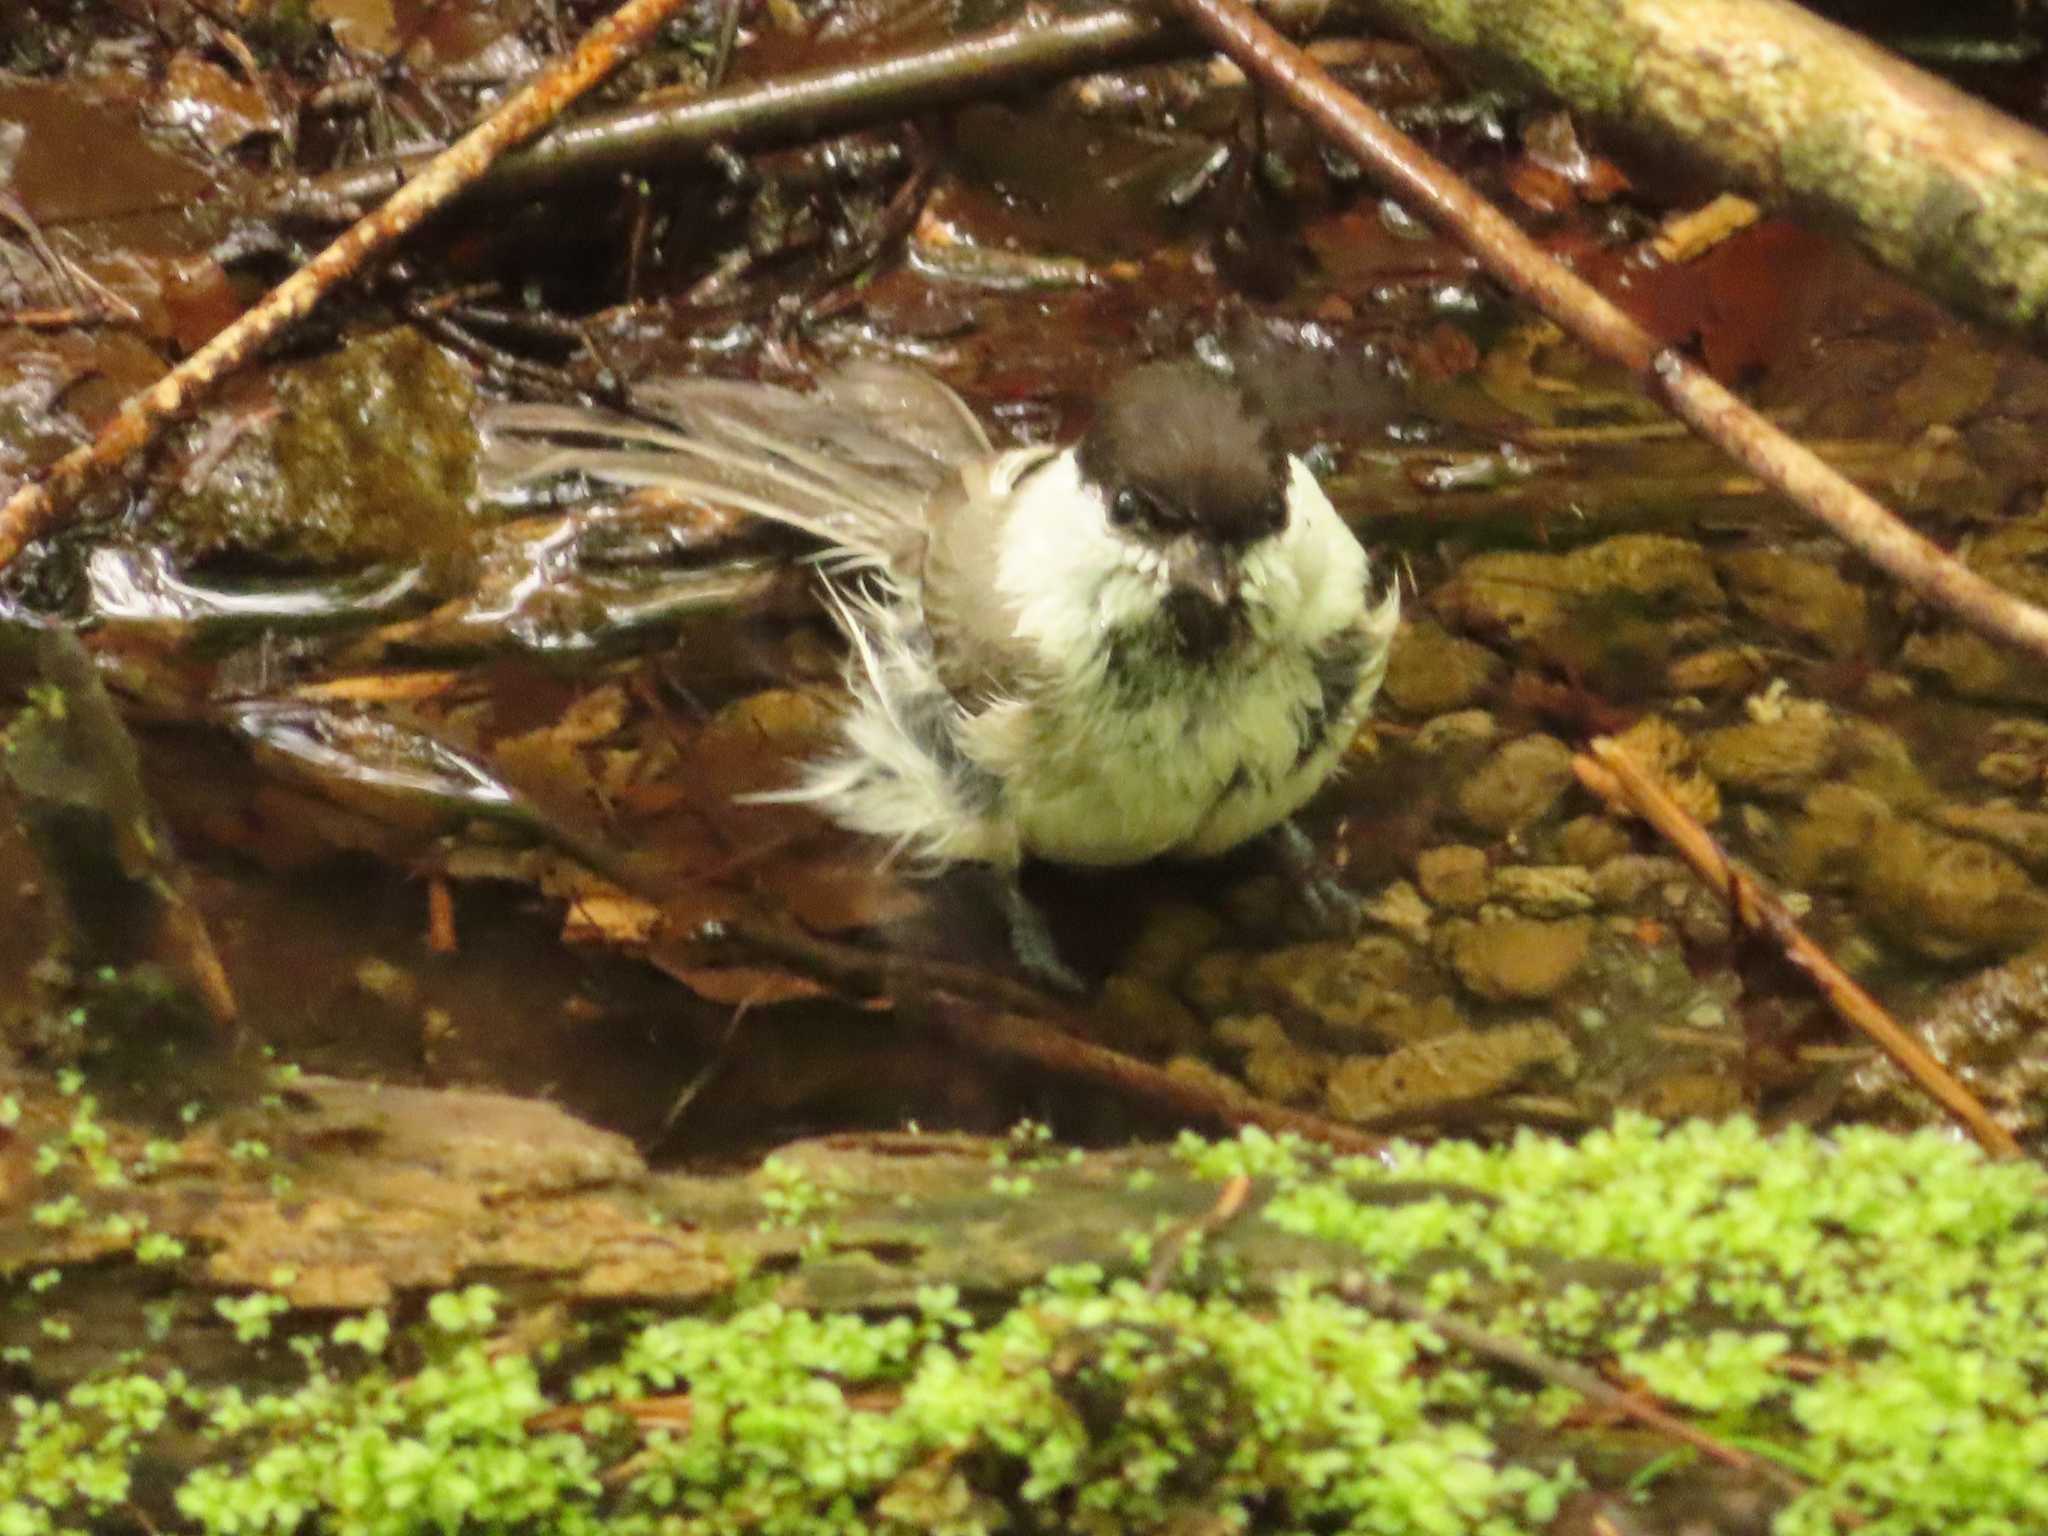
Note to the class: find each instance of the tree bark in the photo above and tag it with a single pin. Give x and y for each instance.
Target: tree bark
(1800, 113)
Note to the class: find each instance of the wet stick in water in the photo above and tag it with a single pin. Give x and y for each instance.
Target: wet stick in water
(36, 506)
(1433, 192)
(1618, 778)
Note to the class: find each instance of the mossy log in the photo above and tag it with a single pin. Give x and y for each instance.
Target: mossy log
(404, 1311)
(1801, 113)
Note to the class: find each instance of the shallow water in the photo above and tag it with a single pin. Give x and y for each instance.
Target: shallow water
(1572, 565)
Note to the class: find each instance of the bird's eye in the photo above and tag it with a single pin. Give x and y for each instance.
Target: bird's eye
(1276, 514)
(1127, 507)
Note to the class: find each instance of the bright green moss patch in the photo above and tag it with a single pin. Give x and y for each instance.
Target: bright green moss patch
(1909, 1273)
(1871, 1312)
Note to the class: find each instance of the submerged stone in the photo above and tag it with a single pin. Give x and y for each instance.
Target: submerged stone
(1946, 898)
(1522, 959)
(1517, 784)
(1801, 597)
(1456, 1068)
(1785, 756)
(1454, 876)
(367, 456)
(1545, 890)
(1431, 671)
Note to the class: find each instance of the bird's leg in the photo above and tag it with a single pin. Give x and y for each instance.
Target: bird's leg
(1031, 937)
(1332, 907)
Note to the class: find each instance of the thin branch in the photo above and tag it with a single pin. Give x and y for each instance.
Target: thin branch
(829, 99)
(1205, 1098)
(1004, 1019)
(855, 971)
(33, 508)
(1232, 1201)
(1615, 776)
(1377, 1296)
(1799, 111)
(1433, 191)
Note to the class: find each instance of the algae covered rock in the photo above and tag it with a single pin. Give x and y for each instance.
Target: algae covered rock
(1431, 671)
(1662, 573)
(1138, 1014)
(1274, 1066)
(1800, 597)
(1519, 960)
(1782, 756)
(1175, 935)
(1609, 612)
(1343, 992)
(1947, 898)
(1972, 667)
(1517, 784)
(1454, 876)
(2017, 831)
(1468, 1065)
(1545, 890)
(1511, 593)
(1590, 841)
(1720, 669)
(367, 456)
(1627, 880)
(1825, 848)
(1459, 731)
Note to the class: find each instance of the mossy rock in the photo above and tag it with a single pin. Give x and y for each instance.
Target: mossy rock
(367, 456)
(1431, 671)
(1785, 756)
(1517, 785)
(1519, 959)
(1799, 597)
(1948, 898)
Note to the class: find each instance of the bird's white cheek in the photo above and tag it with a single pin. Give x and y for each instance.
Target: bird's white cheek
(1317, 563)
(1271, 588)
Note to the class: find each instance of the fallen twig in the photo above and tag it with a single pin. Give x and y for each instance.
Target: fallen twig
(1801, 112)
(865, 973)
(1377, 1296)
(1002, 1018)
(1168, 1252)
(37, 504)
(1615, 776)
(1208, 1099)
(802, 105)
(1435, 193)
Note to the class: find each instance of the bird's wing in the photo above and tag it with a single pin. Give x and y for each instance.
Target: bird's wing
(853, 463)
(973, 629)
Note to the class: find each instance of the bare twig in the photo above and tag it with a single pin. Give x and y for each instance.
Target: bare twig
(803, 105)
(1687, 391)
(36, 505)
(1378, 1296)
(1611, 773)
(1204, 1098)
(1231, 1202)
(867, 973)
(1002, 1018)
(67, 318)
(1767, 96)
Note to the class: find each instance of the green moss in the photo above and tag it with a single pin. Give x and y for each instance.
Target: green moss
(1904, 1275)
(370, 456)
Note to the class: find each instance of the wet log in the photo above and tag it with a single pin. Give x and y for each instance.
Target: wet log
(1803, 114)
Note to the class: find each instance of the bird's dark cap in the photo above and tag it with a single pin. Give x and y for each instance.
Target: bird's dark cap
(1178, 449)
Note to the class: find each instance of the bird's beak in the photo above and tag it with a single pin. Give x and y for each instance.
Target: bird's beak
(1200, 569)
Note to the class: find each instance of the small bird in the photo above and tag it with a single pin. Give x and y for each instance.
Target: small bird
(1156, 641)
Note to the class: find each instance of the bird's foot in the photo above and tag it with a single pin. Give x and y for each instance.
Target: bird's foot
(1328, 904)
(1031, 937)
